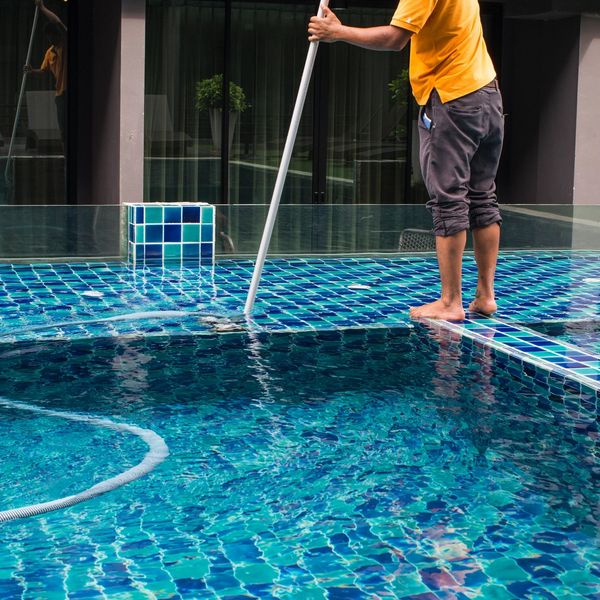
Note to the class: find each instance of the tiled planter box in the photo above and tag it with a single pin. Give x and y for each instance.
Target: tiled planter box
(171, 233)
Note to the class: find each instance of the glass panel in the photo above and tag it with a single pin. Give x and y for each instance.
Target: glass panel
(349, 229)
(184, 46)
(33, 105)
(60, 232)
(269, 46)
(96, 232)
(368, 119)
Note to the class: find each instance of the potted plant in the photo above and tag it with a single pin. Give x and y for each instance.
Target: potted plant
(209, 97)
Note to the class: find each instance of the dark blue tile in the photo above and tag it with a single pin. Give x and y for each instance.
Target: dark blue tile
(153, 251)
(172, 233)
(154, 234)
(207, 251)
(139, 215)
(191, 214)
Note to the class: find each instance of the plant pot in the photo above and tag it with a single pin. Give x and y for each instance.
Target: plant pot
(215, 116)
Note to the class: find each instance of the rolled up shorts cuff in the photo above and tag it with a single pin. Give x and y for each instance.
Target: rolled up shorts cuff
(485, 221)
(447, 227)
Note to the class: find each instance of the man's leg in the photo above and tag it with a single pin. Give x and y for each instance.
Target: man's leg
(486, 243)
(484, 215)
(446, 152)
(449, 307)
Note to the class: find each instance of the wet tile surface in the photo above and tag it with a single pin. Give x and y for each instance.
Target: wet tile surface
(90, 300)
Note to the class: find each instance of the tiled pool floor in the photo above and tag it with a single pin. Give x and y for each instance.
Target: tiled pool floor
(44, 301)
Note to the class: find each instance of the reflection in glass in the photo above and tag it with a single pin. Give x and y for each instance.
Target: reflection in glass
(368, 119)
(35, 173)
(269, 46)
(184, 46)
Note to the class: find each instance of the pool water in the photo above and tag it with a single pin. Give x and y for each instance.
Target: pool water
(332, 465)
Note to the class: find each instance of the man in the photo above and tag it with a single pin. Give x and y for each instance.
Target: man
(55, 61)
(461, 129)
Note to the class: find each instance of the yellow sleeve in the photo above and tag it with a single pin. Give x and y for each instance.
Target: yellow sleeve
(413, 14)
(46, 62)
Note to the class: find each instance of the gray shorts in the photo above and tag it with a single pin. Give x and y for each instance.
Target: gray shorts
(461, 143)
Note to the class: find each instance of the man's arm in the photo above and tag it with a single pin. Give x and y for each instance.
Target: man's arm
(29, 69)
(329, 28)
(50, 15)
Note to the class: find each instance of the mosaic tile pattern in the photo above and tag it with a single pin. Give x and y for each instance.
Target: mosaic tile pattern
(552, 354)
(357, 464)
(172, 233)
(75, 301)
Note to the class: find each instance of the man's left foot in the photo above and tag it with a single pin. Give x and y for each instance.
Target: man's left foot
(483, 306)
(438, 310)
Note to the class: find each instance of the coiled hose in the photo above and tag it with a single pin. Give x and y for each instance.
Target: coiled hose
(157, 453)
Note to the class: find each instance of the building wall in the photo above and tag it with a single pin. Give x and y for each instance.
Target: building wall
(540, 78)
(587, 148)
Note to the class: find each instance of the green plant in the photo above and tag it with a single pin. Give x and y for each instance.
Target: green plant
(209, 94)
(399, 88)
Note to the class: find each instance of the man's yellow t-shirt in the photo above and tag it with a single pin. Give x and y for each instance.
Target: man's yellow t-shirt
(55, 61)
(448, 51)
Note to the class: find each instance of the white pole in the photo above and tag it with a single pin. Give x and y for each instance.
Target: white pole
(283, 169)
(20, 101)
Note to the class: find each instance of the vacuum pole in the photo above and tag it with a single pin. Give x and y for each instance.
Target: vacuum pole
(283, 170)
(21, 93)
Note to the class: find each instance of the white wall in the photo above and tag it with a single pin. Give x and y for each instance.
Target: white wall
(587, 146)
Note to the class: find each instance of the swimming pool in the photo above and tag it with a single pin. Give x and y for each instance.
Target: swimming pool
(335, 465)
(332, 449)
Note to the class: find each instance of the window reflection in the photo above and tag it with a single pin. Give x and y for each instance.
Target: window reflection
(33, 101)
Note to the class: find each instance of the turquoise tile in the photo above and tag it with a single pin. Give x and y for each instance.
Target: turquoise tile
(139, 234)
(191, 233)
(208, 214)
(153, 214)
(172, 251)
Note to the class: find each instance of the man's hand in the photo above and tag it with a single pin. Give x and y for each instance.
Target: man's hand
(324, 29)
(31, 71)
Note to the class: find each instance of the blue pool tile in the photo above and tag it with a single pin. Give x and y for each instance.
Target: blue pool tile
(173, 214)
(191, 214)
(154, 234)
(191, 251)
(153, 251)
(172, 233)
(206, 233)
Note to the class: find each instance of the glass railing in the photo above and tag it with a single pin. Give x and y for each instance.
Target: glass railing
(61, 232)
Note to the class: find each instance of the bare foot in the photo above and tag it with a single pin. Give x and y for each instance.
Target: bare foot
(438, 310)
(483, 306)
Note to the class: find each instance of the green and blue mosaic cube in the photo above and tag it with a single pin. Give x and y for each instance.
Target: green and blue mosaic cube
(171, 233)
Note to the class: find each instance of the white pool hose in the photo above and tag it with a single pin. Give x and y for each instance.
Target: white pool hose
(157, 453)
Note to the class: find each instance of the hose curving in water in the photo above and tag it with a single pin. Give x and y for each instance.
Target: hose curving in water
(231, 318)
(157, 453)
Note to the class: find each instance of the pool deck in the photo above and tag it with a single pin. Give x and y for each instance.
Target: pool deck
(87, 300)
